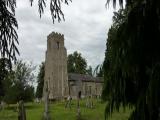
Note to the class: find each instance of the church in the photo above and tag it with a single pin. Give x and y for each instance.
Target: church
(61, 84)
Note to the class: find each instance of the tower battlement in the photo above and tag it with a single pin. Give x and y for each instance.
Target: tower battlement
(55, 35)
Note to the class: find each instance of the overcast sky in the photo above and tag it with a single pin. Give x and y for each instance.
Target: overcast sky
(85, 29)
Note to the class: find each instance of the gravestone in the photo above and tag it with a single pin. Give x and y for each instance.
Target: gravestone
(21, 111)
(46, 103)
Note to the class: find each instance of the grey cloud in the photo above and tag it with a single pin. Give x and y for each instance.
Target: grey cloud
(85, 30)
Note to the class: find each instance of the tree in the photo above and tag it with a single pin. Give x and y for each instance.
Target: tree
(18, 83)
(9, 25)
(40, 80)
(76, 63)
(90, 71)
(98, 71)
(4, 71)
(132, 60)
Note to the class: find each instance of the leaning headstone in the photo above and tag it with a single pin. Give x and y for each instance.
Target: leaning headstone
(21, 111)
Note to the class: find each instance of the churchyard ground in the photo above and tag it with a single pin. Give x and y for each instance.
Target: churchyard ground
(34, 111)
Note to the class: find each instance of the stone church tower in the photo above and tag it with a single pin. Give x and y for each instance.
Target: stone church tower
(56, 77)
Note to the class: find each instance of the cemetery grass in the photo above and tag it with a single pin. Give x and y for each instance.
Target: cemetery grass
(35, 111)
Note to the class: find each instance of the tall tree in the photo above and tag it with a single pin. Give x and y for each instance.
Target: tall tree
(98, 71)
(9, 25)
(4, 71)
(90, 71)
(40, 80)
(18, 83)
(132, 60)
(76, 63)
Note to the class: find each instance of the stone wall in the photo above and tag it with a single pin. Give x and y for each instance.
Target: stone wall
(86, 88)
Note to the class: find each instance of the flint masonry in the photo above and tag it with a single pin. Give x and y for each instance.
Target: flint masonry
(56, 76)
(60, 84)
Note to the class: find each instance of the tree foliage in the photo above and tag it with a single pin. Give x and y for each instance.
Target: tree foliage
(76, 63)
(9, 25)
(132, 60)
(40, 81)
(4, 71)
(98, 71)
(18, 84)
(89, 71)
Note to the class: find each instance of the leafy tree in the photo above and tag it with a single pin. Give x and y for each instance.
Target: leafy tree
(40, 81)
(18, 83)
(76, 63)
(90, 71)
(29, 93)
(132, 60)
(9, 25)
(98, 71)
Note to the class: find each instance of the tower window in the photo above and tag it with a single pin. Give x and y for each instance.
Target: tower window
(49, 44)
(58, 45)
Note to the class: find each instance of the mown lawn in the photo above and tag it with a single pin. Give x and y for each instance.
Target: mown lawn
(35, 111)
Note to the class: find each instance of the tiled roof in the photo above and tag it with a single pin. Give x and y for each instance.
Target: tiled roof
(84, 78)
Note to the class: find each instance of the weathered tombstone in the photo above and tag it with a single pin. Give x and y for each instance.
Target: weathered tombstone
(68, 102)
(21, 111)
(89, 102)
(2, 105)
(78, 106)
(46, 102)
(1, 108)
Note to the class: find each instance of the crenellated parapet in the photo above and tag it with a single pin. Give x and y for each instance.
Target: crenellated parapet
(55, 35)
